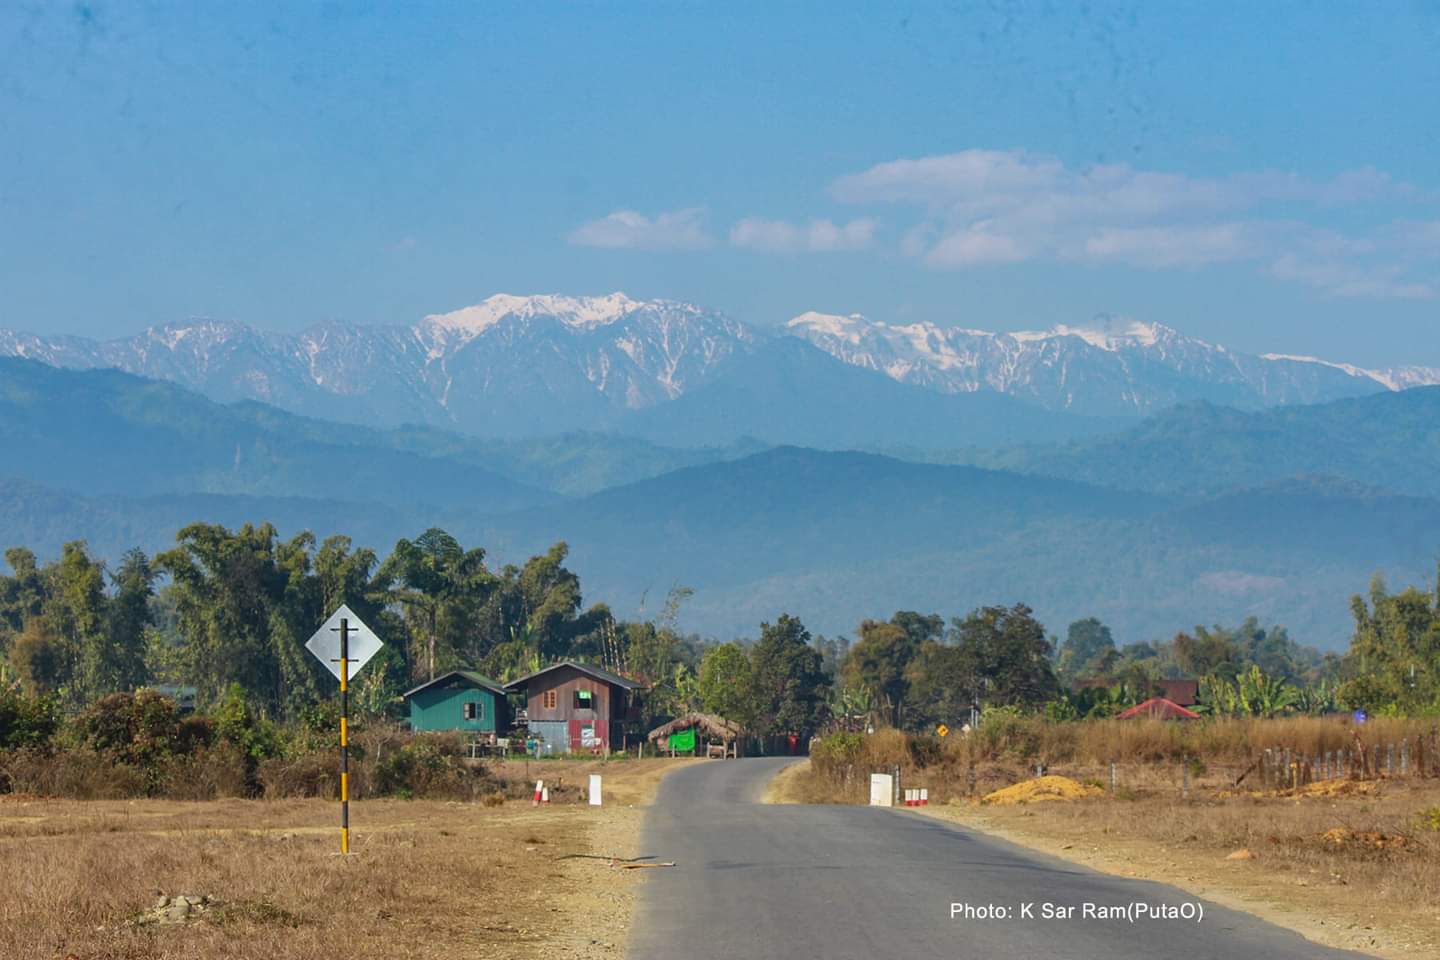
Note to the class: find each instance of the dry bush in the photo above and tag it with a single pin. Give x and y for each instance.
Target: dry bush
(80, 774)
(209, 773)
(308, 775)
(1007, 748)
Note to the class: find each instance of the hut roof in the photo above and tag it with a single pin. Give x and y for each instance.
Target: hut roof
(605, 676)
(1161, 708)
(469, 676)
(707, 723)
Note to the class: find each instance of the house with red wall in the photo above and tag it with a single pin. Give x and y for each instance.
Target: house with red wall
(577, 708)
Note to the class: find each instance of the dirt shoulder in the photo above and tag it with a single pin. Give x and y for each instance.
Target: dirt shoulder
(1315, 898)
(427, 878)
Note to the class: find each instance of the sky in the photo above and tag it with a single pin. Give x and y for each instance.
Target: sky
(1266, 176)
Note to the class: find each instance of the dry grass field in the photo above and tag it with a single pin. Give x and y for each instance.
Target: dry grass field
(426, 878)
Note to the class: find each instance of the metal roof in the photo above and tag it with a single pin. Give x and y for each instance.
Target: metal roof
(597, 672)
(476, 679)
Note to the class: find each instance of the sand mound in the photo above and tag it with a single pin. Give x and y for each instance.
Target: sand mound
(1044, 788)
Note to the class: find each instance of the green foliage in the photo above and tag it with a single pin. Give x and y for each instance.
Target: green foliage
(879, 663)
(238, 722)
(727, 684)
(1088, 651)
(1250, 694)
(26, 720)
(1005, 656)
(791, 689)
(1394, 657)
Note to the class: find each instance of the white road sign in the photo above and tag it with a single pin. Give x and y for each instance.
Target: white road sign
(326, 643)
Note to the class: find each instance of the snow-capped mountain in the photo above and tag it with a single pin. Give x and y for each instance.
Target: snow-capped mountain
(507, 366)
(514, 366)
(1112, 366)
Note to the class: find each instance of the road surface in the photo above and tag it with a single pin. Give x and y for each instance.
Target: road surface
(865, 883)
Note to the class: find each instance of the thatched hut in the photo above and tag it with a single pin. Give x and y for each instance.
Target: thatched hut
(685, 733)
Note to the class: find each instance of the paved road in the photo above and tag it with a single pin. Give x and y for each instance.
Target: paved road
(805, 882)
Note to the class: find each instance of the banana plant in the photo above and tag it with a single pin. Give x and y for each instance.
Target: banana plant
(1319, 699)
(1262, 696)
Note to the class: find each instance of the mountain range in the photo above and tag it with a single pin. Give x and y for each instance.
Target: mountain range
(675, 372)
(837, 470)
(1197, 515)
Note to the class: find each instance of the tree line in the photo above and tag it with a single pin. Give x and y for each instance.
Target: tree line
(228, 612)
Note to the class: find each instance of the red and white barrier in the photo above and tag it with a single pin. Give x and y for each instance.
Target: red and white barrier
(924, 796)
(917, 797)
(545, 795)
(539, 789)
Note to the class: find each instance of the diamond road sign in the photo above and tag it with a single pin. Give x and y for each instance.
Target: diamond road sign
(326, 643)
(942, 730)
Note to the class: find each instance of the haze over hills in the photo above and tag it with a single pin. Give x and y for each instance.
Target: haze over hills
(1198, 513)
(523, 366)
(839, 535)
(1387, 440)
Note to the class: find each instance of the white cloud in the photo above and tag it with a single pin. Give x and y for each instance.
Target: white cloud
(980, 207)
(626, 229)
(1179, 246)
(817, 236)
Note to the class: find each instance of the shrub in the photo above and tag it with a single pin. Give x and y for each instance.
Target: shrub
(26, 721)
(77, 774)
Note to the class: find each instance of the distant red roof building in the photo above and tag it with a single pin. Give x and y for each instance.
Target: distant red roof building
(1159, 708)
(1186, 693)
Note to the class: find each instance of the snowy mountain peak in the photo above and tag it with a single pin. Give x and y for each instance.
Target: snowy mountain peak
(1105, 332)
(586, 312)
(850, 328)
(1391, 378)
(1110, 365)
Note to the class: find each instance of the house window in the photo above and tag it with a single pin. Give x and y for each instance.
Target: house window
(549, 699)
(473, 711)
(584, 700)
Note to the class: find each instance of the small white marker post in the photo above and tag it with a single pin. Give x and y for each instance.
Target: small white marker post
(594, 789)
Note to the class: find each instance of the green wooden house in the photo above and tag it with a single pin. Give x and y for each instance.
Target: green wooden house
(460, 700)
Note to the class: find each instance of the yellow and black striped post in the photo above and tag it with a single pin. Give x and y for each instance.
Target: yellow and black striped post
(344, 735)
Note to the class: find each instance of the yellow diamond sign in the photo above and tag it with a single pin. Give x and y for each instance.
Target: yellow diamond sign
(942, 730)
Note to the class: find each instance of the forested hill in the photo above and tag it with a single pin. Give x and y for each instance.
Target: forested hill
(1388, 440)
(834, 534)
(105, 432)
(832, 537)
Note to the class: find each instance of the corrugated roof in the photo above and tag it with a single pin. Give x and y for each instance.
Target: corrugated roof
(477, 679)
(598, 673)
(1161, 708)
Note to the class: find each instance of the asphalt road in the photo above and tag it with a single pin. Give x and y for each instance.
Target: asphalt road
(800, 882)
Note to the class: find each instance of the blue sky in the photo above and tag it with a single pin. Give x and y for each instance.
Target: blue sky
(1260, 175)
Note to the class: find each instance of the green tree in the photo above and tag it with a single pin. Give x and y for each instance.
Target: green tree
(1208, 653)
(129, 621)
(1088, 651)
(879, 661)
(791, 690)
(1004, 656)
(245, 603)
(1394, 658)
(727, 684)
(439, 584)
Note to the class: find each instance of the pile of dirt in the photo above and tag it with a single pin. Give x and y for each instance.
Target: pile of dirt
(1367, 839)
(1041, 789)
(1339, 788)
(1318, 789)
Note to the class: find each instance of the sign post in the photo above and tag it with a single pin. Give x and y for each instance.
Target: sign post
(342, 654)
